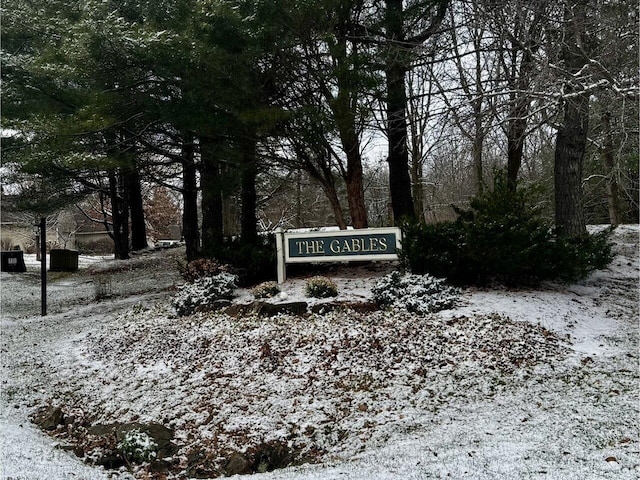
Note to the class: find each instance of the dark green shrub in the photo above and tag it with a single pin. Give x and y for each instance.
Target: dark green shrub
(252, 263)
(571, 259)
(437, 249)
(501, 238)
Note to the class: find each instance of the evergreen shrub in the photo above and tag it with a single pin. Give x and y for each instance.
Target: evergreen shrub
(414, 293)
(204, 292)
(251, 262)
(501, 238)
(320, 287)
(266, 290)
(137, 447)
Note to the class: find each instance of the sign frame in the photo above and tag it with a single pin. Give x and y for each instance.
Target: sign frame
(285, 255)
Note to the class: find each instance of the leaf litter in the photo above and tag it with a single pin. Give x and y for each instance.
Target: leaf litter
(513, 384)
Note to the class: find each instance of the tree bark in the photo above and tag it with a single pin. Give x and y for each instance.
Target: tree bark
(572, 136)
(136, 205)
(329, 188)
(515, 142)
(211, 184)
(517, 127)
(190, 230)
(344, 107)
(397, 64)
(119, 216)
(321, 173)
(606, 154)
(249, 197)
(398, 156)
(569, 157)
(416, 186)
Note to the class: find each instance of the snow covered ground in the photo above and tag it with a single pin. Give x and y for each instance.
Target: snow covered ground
(534, 384)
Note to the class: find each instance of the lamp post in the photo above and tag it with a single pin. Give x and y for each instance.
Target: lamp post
(42, 227)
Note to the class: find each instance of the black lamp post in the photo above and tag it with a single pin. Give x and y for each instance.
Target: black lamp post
(43, 264)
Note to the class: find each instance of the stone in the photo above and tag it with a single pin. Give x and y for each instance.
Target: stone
(360, 307)
(271, 456)
(265, 309)
(161, 435)
(291, 308)
(237, 465)
(49, 418)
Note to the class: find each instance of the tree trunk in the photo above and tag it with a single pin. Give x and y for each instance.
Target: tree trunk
(395, 70)
(211, 184)
(344, 107)
(569, 157)
(355, 190)
(398, 158)
(119, 216)
(190, 230)
(332, 194)
(326, 180)
(515, 147)
(517, 128)
(478, 142)
(609, 164)
(572, 136)
(417, 188)
(249, 197)
(136, 205)
(416, 169)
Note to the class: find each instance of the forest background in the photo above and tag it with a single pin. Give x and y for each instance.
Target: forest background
(247, 115)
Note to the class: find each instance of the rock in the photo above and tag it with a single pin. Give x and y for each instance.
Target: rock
(361, 307)
(291, 308)
(271, 456)
(237, 465)
(161, 435)
(214, 306)
(265, 309)
(49, 418)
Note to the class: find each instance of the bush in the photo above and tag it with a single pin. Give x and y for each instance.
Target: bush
(200, 268)
(320, 287)
(252, 263)
(415, 293)
(204, 292)
(266, 290)
(501, 238)
(571, 259)
(137, 447)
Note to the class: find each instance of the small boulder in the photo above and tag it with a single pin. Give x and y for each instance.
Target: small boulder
(49, 418)
(265, 309)
(237, 465)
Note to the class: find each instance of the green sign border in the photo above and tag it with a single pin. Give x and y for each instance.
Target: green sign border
(342, 245)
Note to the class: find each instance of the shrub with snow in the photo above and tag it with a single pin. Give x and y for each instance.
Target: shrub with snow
(203, 292)
(415, 293)
(266, 290)
(137, 447)
(320, 287)
(200, 268)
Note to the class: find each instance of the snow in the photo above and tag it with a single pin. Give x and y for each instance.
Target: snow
(527, 383)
